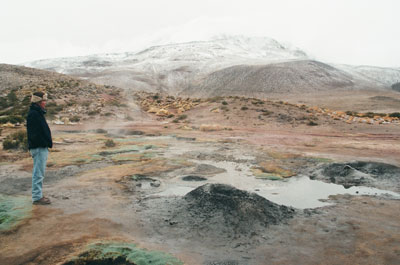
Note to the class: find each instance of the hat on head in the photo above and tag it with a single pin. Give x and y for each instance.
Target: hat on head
(38, 96)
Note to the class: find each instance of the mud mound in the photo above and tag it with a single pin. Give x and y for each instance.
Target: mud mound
(223, 209)
(360, 173)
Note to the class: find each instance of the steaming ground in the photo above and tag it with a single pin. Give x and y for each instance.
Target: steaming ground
(233, 193)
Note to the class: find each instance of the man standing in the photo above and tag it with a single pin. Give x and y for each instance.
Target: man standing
(39, 140)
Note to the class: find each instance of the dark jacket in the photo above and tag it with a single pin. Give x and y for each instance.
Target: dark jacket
(39, 134)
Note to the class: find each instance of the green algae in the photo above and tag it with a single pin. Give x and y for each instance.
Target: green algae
(137, 177)
(128, 149)
(13, 210)
(321, 159)
(149, 155)
(121, 253)
(261, 174)
(268, 176)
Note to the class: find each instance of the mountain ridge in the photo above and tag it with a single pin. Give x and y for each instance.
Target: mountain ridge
(175, 68)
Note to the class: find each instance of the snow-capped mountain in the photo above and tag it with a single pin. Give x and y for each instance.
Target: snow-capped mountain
(171, 67)
(220, 53)
(183, 67)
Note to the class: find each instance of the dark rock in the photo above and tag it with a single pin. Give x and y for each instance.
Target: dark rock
(193, 178)
(131, 132)
(185, 138)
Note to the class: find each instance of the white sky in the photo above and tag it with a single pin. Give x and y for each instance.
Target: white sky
(340, 31)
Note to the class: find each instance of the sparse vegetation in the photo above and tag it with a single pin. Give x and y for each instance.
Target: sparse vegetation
(101, 131)
(257, 102)
(373, 114)
(179, 118)
(86, 103)
(396, 86)
(224, 103)
(17, 140)
(12, 119)
(114, 102)
(224, 108)
(215, 99)
(312, 123)
(52, 108)
(12, 109)
(71, 103)
(351, 113)
(109, 143)
(244, 108)
(395, 115)
(93, 112)
(266, 112)
(75, 118)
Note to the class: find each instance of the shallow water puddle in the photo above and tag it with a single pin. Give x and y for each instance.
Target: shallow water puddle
(299, 192)
(302, 192)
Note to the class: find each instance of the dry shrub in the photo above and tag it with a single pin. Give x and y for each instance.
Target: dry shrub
(16, 140)
(271, 167)
(109, 143)
(213, 127)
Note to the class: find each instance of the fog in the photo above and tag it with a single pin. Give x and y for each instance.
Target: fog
(351, 32)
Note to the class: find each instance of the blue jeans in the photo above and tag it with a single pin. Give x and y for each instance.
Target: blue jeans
(39, 156)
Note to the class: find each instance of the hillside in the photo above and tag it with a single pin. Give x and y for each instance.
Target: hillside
(260, 80)
(69, 97)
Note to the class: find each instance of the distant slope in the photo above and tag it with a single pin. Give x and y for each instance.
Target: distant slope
(260, 80)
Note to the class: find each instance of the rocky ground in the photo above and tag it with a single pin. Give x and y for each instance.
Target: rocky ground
(213, 181)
